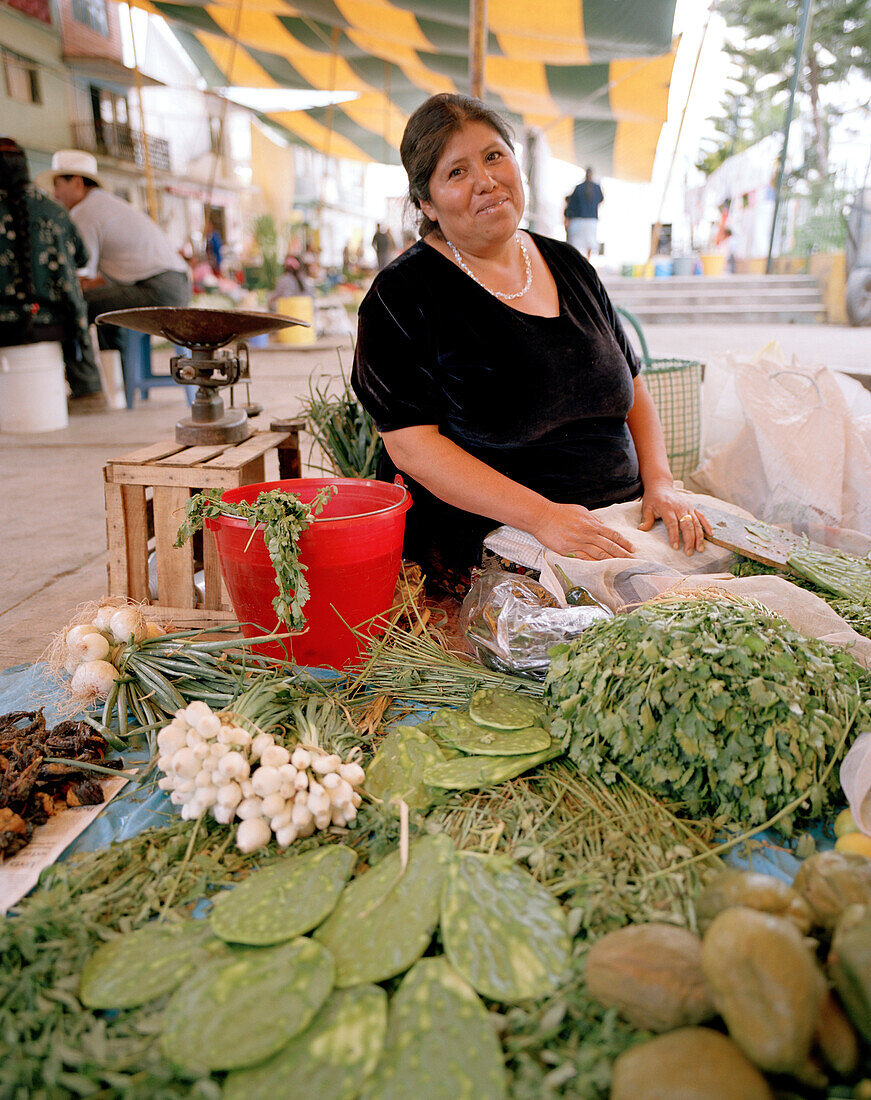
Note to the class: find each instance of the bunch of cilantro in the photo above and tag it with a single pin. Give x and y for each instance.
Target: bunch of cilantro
(718, 707)
(284, 517)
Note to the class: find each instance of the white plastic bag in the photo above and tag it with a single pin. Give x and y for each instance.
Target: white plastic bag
(797, 453)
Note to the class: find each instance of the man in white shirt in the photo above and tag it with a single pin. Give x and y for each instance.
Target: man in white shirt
(132, 262)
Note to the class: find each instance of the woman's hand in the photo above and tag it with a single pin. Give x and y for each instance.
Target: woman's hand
(684, 523)
(572, 530)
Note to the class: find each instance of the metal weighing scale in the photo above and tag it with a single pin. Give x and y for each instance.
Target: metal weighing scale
(210, 366)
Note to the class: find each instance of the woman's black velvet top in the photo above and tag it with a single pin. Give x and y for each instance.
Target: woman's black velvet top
(543, 400)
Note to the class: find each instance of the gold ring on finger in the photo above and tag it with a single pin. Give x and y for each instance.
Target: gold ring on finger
(688, 515)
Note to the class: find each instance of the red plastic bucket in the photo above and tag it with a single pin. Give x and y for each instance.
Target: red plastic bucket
(352, 551)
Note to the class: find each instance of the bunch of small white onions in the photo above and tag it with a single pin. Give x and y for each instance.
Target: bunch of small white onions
(90, 647)
(210, 764)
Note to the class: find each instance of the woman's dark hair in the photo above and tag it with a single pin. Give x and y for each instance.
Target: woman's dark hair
(427, 133)
(14, 178)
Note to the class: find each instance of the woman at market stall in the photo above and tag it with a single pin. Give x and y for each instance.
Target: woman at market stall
(496, 370)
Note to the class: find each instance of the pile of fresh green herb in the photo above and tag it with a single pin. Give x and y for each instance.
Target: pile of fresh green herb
(857, 615)
(716, 706)
(836, 572)
(343, 429)
(284, 518)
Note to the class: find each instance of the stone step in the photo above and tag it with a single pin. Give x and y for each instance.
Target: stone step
(702, 315)
(641, 299)
(773, 299)
(745, 281)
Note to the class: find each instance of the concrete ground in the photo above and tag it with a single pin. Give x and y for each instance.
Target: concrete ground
(53, 531)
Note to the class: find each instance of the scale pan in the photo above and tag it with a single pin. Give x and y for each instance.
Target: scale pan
(197, 328)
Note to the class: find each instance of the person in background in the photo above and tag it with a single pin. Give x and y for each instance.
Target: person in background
(384, 245)
(582, 215)
(292, 281)
(132, 261)
(214, 246)
(496, 369)
(40, 295)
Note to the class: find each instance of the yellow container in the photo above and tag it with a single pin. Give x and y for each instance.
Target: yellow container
(713, 263)
(302, 308)
(637, 270)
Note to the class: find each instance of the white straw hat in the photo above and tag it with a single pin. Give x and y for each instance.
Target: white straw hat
(69, 162)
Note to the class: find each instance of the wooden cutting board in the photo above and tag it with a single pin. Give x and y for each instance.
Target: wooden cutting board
(754, 539)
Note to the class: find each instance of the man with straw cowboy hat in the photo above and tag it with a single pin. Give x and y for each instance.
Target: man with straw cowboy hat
(132, 262)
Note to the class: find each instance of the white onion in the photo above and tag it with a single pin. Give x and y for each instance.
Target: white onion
(301, 816)
(86, 643)
(171, 738)
(259, 743)
(265, 780)
(274, 756)
(286, 835)
(273, 805)
(185, 763)
(325, 764)
(301, 758)
(223, 814)
(352, 773)
(229, 795)
(93, 680)
(282, 820)
(235, 766)
(253, 833)
(250, 807)
(128, 624)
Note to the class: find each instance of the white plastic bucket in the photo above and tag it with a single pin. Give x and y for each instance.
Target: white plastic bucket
(33, 396)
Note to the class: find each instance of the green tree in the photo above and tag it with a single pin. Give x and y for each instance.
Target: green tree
(762, 44)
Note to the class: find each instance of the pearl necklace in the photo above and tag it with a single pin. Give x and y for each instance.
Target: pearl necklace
(497, 293)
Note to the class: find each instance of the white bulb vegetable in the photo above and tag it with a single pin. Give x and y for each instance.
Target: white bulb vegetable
(103, 616)
(253, 833)
(209, 726)
(259, 743)
(185, 763)
(301, 758)
(223, 814)
(282, 820)
(323, 765)
(265, 780)
(319, 803)
(352, 773)
(86, 643)
(250, 807)
(93, 680)
(274, 756)
(171, 738)
(301, 781)
(230, 795)
(286, 835)
(273, 804)
(301, 816)
(235, 766)
(127, 624)
(322, 820)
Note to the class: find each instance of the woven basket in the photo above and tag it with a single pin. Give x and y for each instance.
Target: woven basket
(676, 388)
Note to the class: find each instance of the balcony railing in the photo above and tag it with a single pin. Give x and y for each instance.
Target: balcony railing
(113, 139)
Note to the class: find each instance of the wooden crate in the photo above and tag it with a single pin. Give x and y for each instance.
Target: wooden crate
(156, 482)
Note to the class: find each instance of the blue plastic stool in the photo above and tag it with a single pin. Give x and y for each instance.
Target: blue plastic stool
(136, 363)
